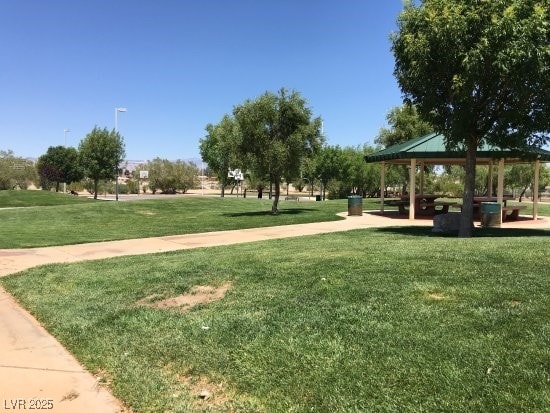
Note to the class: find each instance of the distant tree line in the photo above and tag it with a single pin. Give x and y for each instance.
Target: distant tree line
(275, 141)
(15, 172)
(93, 167)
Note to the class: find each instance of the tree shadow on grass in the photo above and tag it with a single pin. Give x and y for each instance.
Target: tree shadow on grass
(267, 213)
(476, 232)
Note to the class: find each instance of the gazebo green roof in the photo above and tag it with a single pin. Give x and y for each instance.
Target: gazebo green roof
(431, 149)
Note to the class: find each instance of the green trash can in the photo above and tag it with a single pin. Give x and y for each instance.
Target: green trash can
(491, 214)
(355, 205)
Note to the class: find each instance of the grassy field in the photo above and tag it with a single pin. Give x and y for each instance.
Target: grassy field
(63, 219)
(380, 320)
(16, 199)
(103, 221)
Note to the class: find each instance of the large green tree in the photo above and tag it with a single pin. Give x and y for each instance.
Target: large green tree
(358, 176)
(277, 133)
(404, 124)
(308, 175)
(171, 177)
(478, 71)
(15, 171)
(329, 166)
(58, 164)
(521, 177)
(100, 154)
(219, 148)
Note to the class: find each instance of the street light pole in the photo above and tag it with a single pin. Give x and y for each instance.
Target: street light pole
(116, 117)
(202, 177)
(116, 167)
(65, 131)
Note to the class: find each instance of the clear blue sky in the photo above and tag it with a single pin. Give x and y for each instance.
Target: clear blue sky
(177, 65)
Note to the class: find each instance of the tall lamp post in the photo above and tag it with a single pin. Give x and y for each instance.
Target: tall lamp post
(116, 167)
(65, 131)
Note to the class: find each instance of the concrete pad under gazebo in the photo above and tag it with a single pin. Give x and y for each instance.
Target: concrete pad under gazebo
(431, 150)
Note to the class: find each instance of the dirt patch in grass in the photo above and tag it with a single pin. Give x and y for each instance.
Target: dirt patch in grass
(205, 392)
(146, 213)
(436, 296)
(208, 395)
(103, 377)
(199, 294)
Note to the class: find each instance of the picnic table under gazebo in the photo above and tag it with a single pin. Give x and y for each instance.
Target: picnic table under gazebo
(431, 150)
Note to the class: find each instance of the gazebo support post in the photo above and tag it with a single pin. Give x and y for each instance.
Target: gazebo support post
(490, 179)
(536, 190)
(421, 178)
(382, 184)
(412, 188)
(500, 182)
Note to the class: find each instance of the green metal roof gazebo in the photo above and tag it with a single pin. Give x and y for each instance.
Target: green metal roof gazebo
(431, 149)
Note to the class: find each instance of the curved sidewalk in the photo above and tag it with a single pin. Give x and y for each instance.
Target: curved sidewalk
(34, 365)
(15, 260)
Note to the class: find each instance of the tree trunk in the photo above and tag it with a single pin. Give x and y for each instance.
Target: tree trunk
(223, 187)
(57, 187)
(95, 188)
(274, 210)
(465, 229)
(522, 194)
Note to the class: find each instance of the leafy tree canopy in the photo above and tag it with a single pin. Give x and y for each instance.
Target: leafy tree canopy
(15, 171)
(171, 176)
(100, 154)
(277, 133)
(404, 124)
(59, 164)
(478, 71)
(219, 148)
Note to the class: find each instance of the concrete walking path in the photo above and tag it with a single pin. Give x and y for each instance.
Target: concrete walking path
(34, 366)
(15, 260)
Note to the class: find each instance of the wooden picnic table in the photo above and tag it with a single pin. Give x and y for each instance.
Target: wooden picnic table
(509, 213)
(479, 199)
(424, 205)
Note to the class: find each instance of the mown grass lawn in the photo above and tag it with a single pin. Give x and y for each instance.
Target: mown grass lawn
(105, 221)
(59, 219)
(387, 320)
(17, 199)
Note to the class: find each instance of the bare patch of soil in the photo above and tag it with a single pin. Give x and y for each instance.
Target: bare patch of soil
(146, 213)
(436, 296)
(199, 294)
(103, 377)
(205, 391)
